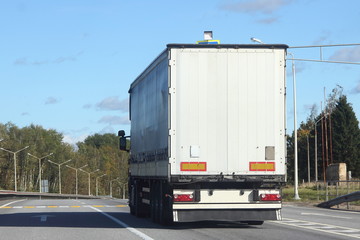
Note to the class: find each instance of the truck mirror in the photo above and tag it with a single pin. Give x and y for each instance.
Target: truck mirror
(123, 143)
(121, 133)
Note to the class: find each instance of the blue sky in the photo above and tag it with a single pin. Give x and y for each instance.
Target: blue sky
(67, 65)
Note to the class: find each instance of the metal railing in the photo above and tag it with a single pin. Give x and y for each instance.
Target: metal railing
(337, 192)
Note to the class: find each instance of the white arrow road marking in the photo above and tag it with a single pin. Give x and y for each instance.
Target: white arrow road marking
(43, 218)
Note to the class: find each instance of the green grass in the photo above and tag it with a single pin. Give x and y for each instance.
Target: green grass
(312, 195)
(306, 194)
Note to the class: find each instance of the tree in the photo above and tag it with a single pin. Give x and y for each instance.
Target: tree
(338, 138)
(97, 152)
(346, 136)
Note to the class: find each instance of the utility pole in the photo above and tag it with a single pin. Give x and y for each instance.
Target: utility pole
(308, 156)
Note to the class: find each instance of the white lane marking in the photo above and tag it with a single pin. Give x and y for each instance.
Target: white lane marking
(324, 209)
(348, 231)
(133, 230)
(12, 203)
(40, 206)
(17, 207)
(324, 215)
(64, 206)
(327, 228)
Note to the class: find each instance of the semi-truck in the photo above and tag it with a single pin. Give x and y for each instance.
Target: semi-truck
(208, 134)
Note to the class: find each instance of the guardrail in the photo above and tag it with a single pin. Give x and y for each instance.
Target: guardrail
(4, 194)
(355, 196)
(335, 192)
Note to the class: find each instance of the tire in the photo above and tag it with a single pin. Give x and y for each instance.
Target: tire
(153, 202)
(139, 206)
(131, 198)
(255, 222)
(165, 217)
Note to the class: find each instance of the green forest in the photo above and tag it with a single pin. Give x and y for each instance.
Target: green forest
(34, 147)
(337, 134)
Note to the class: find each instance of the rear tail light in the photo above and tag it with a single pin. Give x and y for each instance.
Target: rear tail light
(184, 198)
(270, 197)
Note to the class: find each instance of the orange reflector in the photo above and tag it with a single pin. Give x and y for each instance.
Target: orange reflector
(193, 166)
(262, 166)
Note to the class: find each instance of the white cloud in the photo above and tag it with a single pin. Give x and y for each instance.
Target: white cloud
(51, 100)
(113, 103)
(115, 120)
(268, 20)
(350, 54)
(87, 106)
(65, 59)
(299, 67)
(107, 129)
(21, 61)
(72, 139)
(58, 60)
(25, 61)
(255, 6)
(324, 37)
(356, 89)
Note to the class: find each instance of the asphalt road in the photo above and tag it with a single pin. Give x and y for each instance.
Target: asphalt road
(110, 219)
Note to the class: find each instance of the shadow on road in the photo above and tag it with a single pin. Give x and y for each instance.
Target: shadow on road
(97, 220)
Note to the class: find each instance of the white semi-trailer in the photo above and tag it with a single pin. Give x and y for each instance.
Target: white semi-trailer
(208, 134)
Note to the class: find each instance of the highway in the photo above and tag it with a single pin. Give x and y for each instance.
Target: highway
(110, 219)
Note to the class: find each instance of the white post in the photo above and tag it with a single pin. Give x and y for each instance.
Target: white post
(296, 181)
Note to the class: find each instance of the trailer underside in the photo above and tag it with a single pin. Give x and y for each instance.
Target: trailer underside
(204, 201)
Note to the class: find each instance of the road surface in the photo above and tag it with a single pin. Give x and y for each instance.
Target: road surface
(110, 219)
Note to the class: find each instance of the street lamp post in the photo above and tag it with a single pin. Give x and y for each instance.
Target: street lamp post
(111, 186)
(256, 40)
(124, 190)
(59, 165)
(76, 173)
(6, 150)
(40, 158)
(97, 183)
(89, 173)
(296, 181)
(311, 60)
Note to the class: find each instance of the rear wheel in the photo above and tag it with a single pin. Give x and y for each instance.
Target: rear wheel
(139, 208)
(255, 222)
(165, 204)
(154, 209)
(131, 198)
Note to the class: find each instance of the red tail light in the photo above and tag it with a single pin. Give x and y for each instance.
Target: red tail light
(183, 198)
(270, 197)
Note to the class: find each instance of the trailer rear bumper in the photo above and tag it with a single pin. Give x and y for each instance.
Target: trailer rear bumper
(245, 215)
